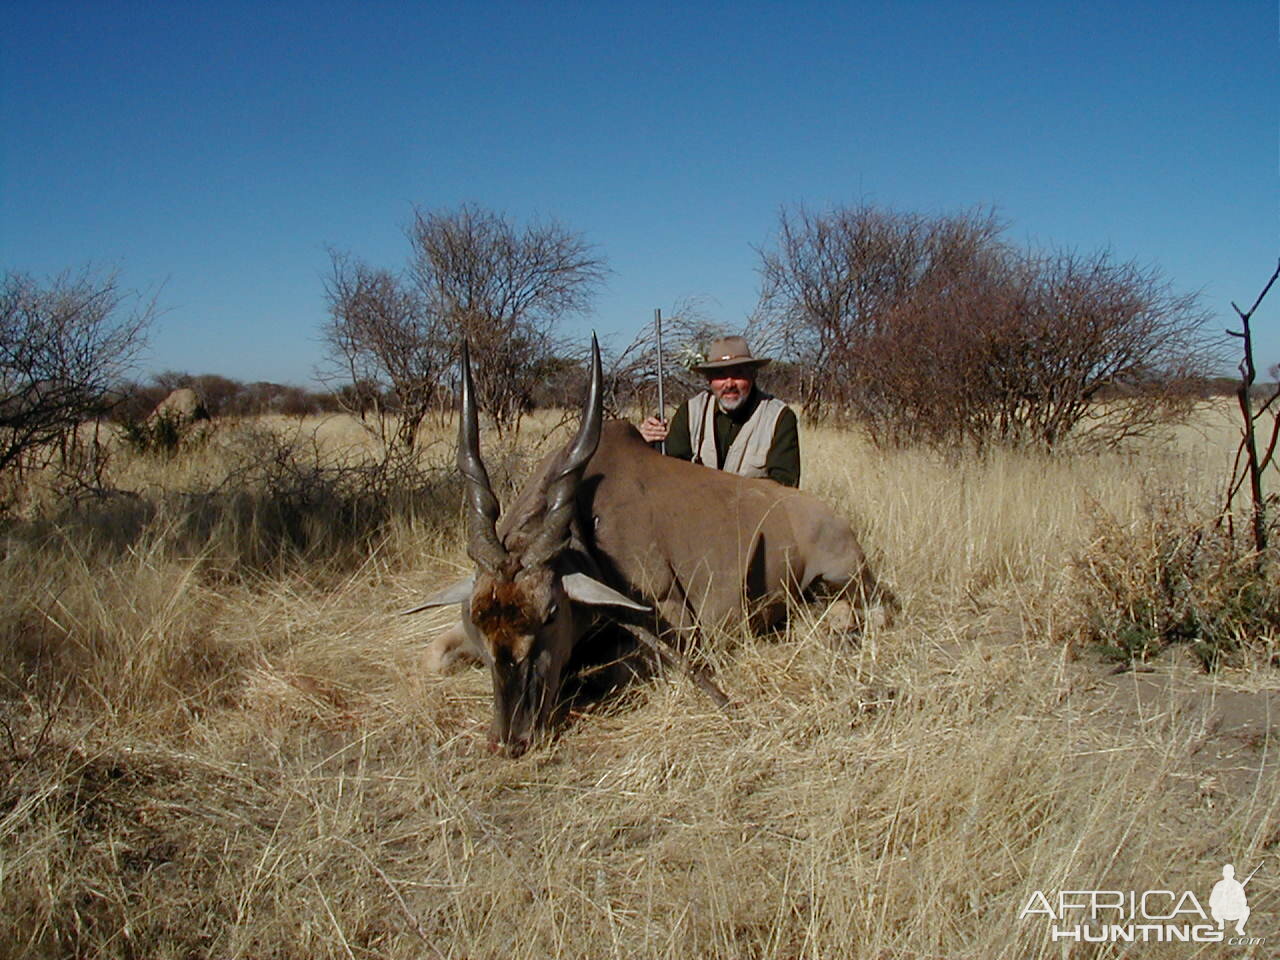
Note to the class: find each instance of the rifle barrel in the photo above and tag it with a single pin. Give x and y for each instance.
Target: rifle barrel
(662, 401)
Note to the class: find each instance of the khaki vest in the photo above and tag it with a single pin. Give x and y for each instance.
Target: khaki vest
(750, 449)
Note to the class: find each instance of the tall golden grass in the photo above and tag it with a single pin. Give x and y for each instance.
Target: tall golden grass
(219, 741)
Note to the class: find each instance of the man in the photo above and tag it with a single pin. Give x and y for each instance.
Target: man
(744, 431)
(1228, 900)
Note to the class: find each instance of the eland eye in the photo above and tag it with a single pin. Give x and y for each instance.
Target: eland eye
(553, 610)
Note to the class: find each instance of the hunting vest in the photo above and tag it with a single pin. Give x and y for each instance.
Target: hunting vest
(750, 449)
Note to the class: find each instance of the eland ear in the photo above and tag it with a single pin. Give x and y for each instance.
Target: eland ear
(592, 593)
(454, 593)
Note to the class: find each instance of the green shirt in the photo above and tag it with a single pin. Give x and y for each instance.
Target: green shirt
(783, 462)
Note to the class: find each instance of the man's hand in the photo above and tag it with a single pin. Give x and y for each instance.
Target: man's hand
(653, 430)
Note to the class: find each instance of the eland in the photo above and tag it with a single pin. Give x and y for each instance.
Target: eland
(609, 528)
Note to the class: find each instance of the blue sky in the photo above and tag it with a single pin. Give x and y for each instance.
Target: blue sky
(216, 151)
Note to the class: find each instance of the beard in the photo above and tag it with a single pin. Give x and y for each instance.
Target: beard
(728, 404)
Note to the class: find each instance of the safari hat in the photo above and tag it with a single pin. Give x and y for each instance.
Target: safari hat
(729, 352)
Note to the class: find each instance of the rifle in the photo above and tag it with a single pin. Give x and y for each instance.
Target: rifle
(662, 404)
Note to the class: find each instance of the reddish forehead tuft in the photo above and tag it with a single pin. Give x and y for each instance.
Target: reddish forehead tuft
(504, 614)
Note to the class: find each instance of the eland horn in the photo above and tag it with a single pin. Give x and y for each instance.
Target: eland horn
(563, 482)
(483, 545)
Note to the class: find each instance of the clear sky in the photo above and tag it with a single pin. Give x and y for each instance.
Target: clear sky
(219, 149)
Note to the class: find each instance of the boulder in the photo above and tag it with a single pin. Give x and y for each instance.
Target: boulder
(182, 404)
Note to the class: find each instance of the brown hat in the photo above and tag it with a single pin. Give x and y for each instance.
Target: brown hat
(729, 352)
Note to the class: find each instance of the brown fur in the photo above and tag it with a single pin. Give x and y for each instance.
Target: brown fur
(704, 546)
(506, 616)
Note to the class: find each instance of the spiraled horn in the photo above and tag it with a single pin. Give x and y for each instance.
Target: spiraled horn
(483, 545)
(563, 483)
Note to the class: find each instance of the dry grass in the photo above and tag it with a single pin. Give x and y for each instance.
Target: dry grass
(215, 749)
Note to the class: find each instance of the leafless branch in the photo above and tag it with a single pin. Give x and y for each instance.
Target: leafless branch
(1254, 465)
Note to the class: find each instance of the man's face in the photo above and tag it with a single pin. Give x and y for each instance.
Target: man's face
(732, 385)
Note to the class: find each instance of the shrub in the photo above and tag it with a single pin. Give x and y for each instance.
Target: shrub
(1169, 578)
(164, 434)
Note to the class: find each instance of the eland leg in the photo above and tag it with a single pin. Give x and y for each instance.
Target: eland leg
(856, 600)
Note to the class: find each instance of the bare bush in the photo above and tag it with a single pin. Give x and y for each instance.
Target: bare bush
(1090, 329)
(472, 274)
(63, 345)
(387, 345)
(935, 330)
(504, 289)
